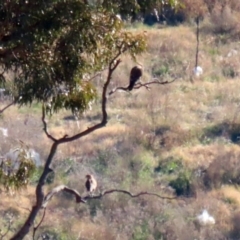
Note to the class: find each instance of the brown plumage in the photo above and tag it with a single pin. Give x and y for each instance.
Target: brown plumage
(91, 183)
(135, 75)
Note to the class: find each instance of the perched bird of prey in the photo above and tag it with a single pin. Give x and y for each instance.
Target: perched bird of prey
(135, 75)
(91, 184)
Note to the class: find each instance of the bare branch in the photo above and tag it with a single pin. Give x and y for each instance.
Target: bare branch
(58, 189)
(128, 193)
(6, 107)
(80, 199)
(197, 47)
(45, 125)
(139, 85)
(96, 75)
(26, 209)
(112, 66)
(39, 224)
(41, 200)
(118, 89)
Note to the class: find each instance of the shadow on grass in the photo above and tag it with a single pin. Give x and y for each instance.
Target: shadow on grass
(230, 131)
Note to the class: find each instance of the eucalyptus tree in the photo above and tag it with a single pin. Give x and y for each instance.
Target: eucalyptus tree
(136, 8)
(55, 46)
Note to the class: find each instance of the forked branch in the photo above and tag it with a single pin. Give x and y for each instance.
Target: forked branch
(139, 85)
(80, 199)
(6, 107)
(41, 199)
(62, 188)
(128, 193)
(39, 224)
(45, 124)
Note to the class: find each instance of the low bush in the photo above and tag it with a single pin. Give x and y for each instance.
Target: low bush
(224, 169)
(168, 166)
(183, 184)
(235, 232)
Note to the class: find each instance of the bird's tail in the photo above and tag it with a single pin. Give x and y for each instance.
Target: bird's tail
(131, 85)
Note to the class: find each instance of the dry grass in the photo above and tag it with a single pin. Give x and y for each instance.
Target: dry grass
(204, 155)
(230, 194)
(196, 122)
(21, 201)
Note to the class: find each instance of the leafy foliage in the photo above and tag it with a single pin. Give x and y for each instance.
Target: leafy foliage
(182, 184)
(131, 7)
(54, 48)
(169, 165)
(141, 232)
(16, 175)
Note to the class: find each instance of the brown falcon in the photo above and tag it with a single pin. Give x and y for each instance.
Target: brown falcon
(135, 75)
(91, 184)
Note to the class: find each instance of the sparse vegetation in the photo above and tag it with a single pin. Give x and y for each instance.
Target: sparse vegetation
(180, 139)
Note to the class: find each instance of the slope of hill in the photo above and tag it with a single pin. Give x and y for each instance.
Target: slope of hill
(179, 139)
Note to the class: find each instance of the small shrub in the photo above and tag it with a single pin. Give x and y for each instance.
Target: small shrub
(63, 169)
(224, 21)
(235, 133)
(215, 130)
(103, 160)
(235, 232)
(54, 234)
(15, 175)
(183, 184)
(11, 211)
(169, 165)
(229, 72)
(225, 129)
(141, 167)
(141, 232)
(224, 169)
(160, 70)
(36, 175)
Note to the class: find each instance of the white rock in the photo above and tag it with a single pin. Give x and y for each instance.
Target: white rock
(232, 52)
(205, 218)
(198, 71)
(4, 131)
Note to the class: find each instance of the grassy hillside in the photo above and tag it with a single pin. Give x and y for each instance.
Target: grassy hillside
(180, 139)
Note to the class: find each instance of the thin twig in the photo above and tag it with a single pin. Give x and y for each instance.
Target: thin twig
(94, 76)
(111, 68)
(58, 189)
(27, 209)
(39, 224)
(45, 125)
(128, 193)
(6, 107)
(139, 85)
(197, 47)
